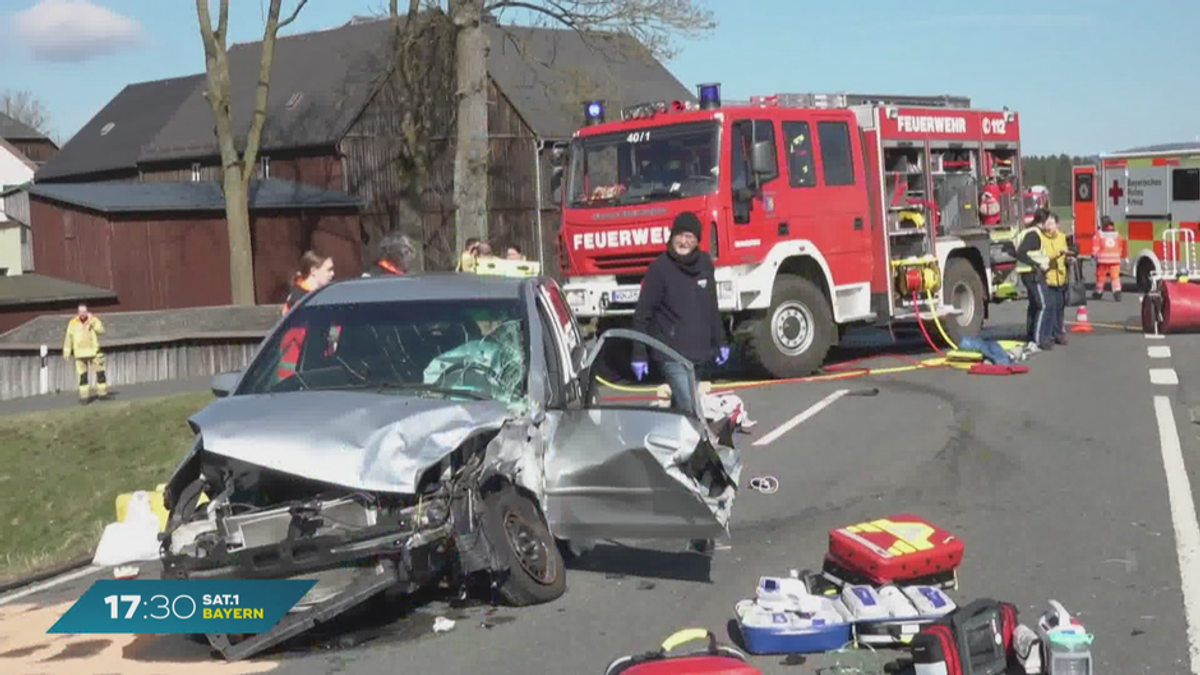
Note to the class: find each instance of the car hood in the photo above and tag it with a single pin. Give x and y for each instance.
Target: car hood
(359, 440)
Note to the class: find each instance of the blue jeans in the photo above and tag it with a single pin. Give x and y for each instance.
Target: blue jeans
(1043, 312)
(677, 377)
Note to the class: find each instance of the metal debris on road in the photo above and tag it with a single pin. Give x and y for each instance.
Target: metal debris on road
(765, 484)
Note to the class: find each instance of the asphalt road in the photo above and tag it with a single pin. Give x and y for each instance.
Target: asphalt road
(1054, 479)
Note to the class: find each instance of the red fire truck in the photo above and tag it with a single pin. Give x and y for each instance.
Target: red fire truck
(822, 211)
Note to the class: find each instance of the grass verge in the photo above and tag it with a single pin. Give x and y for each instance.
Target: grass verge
(61, 472)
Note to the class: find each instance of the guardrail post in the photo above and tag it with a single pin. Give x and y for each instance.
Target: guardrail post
(44, 375)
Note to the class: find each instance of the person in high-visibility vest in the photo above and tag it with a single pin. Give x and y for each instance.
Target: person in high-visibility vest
(396, 256)
(82, 343)
(1033, 268)
(1109, 250)
(316, 270)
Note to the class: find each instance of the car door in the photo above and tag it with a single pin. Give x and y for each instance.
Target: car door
(618, 471)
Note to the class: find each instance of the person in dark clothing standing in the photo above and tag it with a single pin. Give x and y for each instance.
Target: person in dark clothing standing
(678, 305)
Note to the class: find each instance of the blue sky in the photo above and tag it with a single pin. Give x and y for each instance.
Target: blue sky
(1086, 76)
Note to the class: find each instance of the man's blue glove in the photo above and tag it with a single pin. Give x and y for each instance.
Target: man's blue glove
(723, 356)
(640, 370)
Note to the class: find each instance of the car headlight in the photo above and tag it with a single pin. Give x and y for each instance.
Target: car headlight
(576, 298)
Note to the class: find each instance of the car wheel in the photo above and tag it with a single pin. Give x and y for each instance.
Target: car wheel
(795, 334)
(535, 566)
(963, 289)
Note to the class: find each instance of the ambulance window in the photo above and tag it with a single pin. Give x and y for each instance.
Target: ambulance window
(836, 154)
(801, 170)
(1185, 185)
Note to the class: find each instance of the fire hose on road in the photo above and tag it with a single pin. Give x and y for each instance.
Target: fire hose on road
(839, 371)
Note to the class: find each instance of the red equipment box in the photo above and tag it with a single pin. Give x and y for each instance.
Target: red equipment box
(903, 547)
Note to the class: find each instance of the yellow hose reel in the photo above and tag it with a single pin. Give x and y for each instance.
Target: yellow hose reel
(918, 275)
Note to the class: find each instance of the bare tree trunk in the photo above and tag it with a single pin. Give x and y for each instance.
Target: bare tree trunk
(241, 253)
(237, 170)
(471, 146)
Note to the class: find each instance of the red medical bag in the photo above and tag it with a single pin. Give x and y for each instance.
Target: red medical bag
(903, 547)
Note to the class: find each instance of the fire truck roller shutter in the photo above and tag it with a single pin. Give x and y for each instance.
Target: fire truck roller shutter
(793, 336)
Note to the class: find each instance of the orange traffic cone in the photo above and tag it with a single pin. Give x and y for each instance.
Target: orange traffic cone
(1082, 325)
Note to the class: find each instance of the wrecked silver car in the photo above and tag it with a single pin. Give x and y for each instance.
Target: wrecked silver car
(401, 431)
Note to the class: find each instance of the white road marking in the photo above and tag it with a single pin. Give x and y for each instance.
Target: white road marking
(1152, 336)
(37, 588)
(1163, 376)
(798, 419)
(1163, 352)
(1183, 516)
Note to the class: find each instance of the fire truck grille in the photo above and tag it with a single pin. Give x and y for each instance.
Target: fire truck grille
(626, 261)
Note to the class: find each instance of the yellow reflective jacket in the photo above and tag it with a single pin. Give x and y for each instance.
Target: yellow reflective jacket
(1055, 250)
(82, 339)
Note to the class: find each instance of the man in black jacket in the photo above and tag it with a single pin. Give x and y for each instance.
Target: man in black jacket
(678, 305)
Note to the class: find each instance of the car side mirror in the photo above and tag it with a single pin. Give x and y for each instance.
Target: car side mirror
(762, 158)
(224, 383)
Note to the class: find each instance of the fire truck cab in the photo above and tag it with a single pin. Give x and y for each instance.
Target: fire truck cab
(821, 212)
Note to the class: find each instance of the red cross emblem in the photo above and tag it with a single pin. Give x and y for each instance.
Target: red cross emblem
(1116, 192)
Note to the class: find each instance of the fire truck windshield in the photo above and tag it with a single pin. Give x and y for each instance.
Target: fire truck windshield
(644, 165)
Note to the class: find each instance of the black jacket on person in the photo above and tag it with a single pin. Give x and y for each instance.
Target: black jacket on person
(678, 305)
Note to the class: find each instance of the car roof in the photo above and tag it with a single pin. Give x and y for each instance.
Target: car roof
(425, 286)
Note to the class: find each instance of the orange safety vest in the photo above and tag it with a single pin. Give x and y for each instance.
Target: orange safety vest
(1109, 248)
(292, 339)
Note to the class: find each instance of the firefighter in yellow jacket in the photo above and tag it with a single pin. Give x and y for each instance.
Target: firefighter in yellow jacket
(82, 343)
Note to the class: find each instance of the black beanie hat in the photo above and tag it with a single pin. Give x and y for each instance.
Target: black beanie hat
(686, 222)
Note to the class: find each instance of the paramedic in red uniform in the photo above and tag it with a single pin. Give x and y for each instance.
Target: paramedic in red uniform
(316, 270)
(1108, 250)
(678, 305)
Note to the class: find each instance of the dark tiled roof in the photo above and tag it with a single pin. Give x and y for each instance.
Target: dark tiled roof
(547, 72)
(32, 289)
(328, 75)
(12, 129)
(331, 72)
(1192, 146)
(155, 196)
(136, 115)
(195, 321)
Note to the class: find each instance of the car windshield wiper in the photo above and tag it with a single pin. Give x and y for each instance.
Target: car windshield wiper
(380, 385)
(405, 386)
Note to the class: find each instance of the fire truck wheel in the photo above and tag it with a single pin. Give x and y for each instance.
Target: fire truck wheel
(794, 336)
(963, 289)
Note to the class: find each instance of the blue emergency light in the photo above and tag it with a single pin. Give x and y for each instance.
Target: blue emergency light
(593, 112)
(710, 96)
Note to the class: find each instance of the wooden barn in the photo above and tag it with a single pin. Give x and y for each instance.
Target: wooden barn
(332, 124)
(164, 245)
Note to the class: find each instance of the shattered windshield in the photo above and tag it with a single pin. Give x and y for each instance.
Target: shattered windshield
(647, 165)
(469, 349)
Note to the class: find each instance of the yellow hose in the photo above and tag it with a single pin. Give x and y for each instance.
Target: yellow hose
(928, 363)
(938, 323)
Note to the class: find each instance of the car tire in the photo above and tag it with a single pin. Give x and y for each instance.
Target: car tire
(794, 300)
(522, 540)
(962, 281)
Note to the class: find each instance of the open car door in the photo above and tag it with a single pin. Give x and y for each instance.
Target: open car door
(616, 470)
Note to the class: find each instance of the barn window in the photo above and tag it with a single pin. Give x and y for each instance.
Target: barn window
(107, 128)
(196, 172)
(265, 167)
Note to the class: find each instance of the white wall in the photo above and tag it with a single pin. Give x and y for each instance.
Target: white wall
(13, 171)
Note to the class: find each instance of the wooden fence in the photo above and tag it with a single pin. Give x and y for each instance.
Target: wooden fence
(131, 361)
